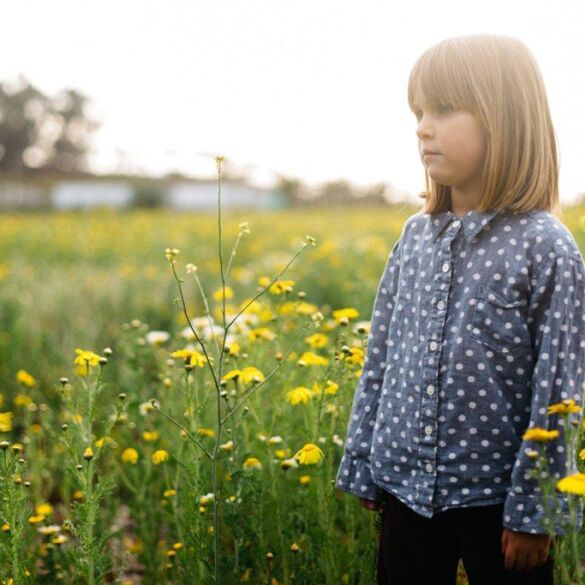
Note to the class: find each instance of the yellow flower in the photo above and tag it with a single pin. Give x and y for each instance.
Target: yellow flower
(206, 499)
(252, 463)
(103, 441)
(540, 435)
(218, 295)
(192, 357)
(251, 374)
(349, 313)
(330, 388)
(229, 446)
(261, 333)
(309, 454)
(206, 432)
(5, 527)
(44, 509)
(233, 348)
(281, 453)
(130, 455)
(298, 395)
(281, 286)
(133, 546)
(317, 340)
(232, 374)
(59, 539)
(24, 378)
(171, 254)
(22, 400)
(574, 484)
(88, 454)
(331, 409)
(178, 545)
(311, 359)
(78, 495)
(305, 479)
(84, 360)
(246, 375)
(159, 457)
(355, 357)
(169, 493)
(564, 407)
(5, 422)
(150, 436)
(582, 454)
(36, 519)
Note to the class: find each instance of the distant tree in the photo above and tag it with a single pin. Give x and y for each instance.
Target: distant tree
(293, 190)
(338, 192)
(43, 133)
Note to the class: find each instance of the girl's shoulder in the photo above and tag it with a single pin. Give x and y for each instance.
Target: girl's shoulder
(547, 233)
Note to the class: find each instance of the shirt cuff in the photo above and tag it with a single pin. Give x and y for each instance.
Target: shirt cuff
(525, 513)
(354, 476)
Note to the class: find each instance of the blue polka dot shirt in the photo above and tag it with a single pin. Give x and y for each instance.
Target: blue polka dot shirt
(478, 326)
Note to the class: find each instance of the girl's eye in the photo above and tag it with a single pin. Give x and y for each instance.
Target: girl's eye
(440, 109)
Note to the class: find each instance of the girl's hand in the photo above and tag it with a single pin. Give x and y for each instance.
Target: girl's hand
(524, 551)
(370, 505)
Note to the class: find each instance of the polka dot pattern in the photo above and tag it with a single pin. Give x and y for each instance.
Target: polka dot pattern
(478, 325)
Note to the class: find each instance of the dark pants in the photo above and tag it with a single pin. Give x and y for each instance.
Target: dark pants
(415, 550)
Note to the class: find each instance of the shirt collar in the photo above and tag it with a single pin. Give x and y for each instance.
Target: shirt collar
(473, 222)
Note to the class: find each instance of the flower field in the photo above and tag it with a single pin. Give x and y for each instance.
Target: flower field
(130, 454)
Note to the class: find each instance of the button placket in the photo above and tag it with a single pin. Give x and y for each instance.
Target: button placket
(431, 360)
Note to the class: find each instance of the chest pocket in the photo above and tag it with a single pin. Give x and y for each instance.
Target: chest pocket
(499, 322)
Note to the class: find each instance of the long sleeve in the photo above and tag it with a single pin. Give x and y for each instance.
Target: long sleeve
(556, 321)
(354, 474)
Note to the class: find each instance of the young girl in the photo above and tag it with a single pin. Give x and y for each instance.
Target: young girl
(478, 326)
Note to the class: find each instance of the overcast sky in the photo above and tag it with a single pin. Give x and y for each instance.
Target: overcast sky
(314, 89)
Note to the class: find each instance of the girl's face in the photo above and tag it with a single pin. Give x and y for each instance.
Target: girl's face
(458, 141)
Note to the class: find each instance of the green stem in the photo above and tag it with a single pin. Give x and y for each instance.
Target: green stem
(90, 521)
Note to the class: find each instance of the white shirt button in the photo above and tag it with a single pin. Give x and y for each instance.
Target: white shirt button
(440, 305)
(428, 429)
(446, 267)
(429, 467)
(433, 345)
(456, 223)
(430, 390)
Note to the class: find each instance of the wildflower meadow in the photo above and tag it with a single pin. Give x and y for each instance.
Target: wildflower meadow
(175, 392)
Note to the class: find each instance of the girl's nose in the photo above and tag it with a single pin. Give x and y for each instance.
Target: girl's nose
(423, 129)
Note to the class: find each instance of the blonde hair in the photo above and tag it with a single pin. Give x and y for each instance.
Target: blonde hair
(497, 79)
